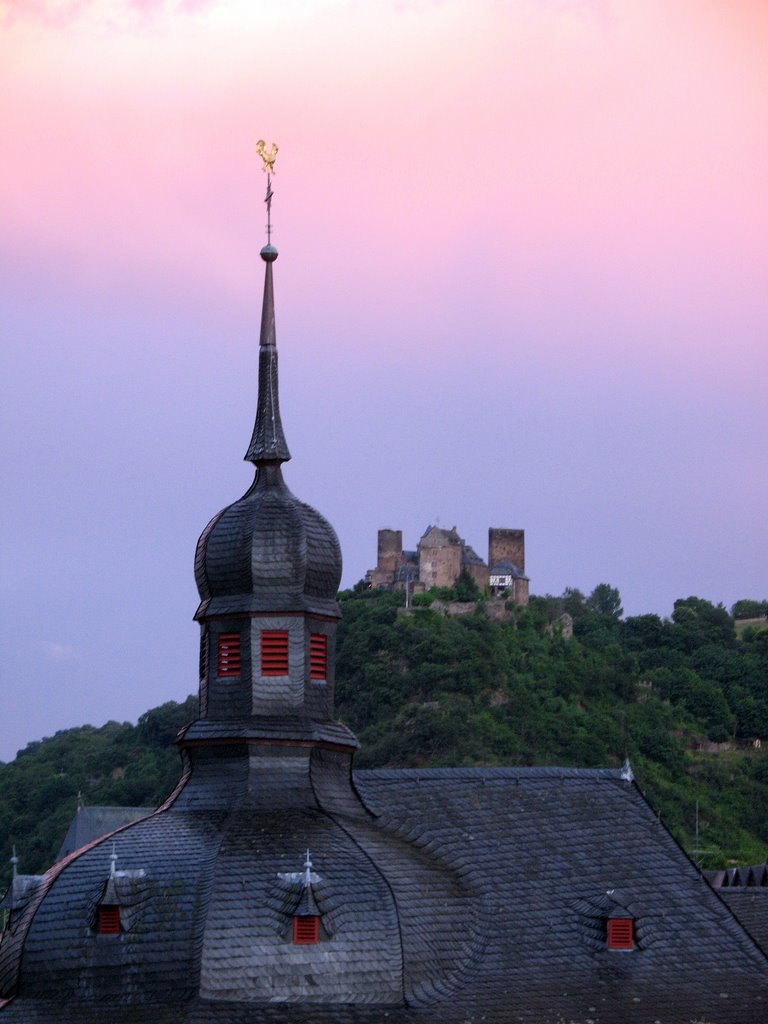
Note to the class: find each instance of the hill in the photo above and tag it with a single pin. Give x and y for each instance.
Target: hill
(684, 697)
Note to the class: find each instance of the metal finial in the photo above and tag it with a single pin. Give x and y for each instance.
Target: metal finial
(268, 166)
(14, 861)
(113, 860)
(626, 771)
(308, 870)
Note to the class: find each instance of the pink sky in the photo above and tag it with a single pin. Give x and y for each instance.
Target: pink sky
(523, 282)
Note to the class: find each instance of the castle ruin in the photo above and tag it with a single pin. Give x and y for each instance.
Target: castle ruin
(442, 555)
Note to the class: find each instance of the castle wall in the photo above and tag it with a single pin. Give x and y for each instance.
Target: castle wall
(479, 574)
(506, 546)
(390, 550)
(439, 567)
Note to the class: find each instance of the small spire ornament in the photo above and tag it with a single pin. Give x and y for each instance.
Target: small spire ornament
(268, 158)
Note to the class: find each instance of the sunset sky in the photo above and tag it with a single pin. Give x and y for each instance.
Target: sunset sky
(523, 281)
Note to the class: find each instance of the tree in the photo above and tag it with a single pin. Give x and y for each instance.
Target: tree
(746, 609)
(698, 622)
(466, 588)
(605, 600)
(574, 603)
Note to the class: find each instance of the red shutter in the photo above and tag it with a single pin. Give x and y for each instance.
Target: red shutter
(228, 662)
(109, 920)
(318, 656)
(306, 930)
(620, 931)
(274, 652)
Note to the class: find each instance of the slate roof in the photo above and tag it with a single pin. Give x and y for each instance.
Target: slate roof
(745, 890)
(745, 875)
(751, 908)
(507, 569)
(268, 552)
(268, 441)
(452, 895)
(470, 557)
(89, 823)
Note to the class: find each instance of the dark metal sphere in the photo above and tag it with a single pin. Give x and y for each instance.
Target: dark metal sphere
(269, 254)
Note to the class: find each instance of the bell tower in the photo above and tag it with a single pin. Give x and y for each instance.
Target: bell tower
(268, 569)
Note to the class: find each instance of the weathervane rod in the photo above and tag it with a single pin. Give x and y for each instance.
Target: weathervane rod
(268, 158)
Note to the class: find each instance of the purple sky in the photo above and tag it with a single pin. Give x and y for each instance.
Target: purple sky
(523, 282)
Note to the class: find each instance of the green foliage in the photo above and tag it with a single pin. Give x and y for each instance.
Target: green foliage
(117, 764)
(466, 588)
(746, 609)
(425, 689)
(605, 600)
(422, 688)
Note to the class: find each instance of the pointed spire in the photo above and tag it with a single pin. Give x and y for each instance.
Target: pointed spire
(113, 861)
(14, 863)
(308, 871)
(268, 442)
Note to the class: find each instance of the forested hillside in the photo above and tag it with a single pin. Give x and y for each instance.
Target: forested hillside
(684, 698)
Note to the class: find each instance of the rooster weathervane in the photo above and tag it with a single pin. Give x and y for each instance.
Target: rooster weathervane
(268, 157)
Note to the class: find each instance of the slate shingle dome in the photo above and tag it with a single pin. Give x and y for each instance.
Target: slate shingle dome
(442, 896)
(268, 551)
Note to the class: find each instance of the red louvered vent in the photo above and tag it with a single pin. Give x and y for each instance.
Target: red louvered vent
(318, 656)
(620, 933)
(109, 920)
(228, 662)
(306, 930)
(274, 652)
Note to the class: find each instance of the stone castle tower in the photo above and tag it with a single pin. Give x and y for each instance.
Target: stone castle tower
(442, 555)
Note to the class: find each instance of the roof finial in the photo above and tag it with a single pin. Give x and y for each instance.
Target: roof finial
(14, 862)
(268, 253)
(113, 861)
(268, 442)
(308, 871)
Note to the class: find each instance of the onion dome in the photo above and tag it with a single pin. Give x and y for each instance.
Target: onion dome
(268, 551)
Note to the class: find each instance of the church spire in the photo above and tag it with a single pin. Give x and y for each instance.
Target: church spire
(268, 442)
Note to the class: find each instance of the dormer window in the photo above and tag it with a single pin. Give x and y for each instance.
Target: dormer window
(108, 922)
(621, 933)
(228, 660)
(274, 652)
(318, 656)
(306, 930)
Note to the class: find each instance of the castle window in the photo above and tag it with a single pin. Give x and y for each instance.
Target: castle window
(274, 652)
(228, 662)
(109, 920)
(306, 930)
(620, 933)
(318, 656)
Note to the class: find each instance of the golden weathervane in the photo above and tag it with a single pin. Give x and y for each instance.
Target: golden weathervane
(268, 157)
(269, 166)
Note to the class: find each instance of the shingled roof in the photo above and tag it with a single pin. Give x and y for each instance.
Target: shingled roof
(458, 896)
(450, 894)
(91, 823)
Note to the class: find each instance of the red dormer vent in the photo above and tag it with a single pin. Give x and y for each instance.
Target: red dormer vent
(621, 933)
(274, 652)
(109, 920)
(306, 930)
(318, 656)
(228, 661)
